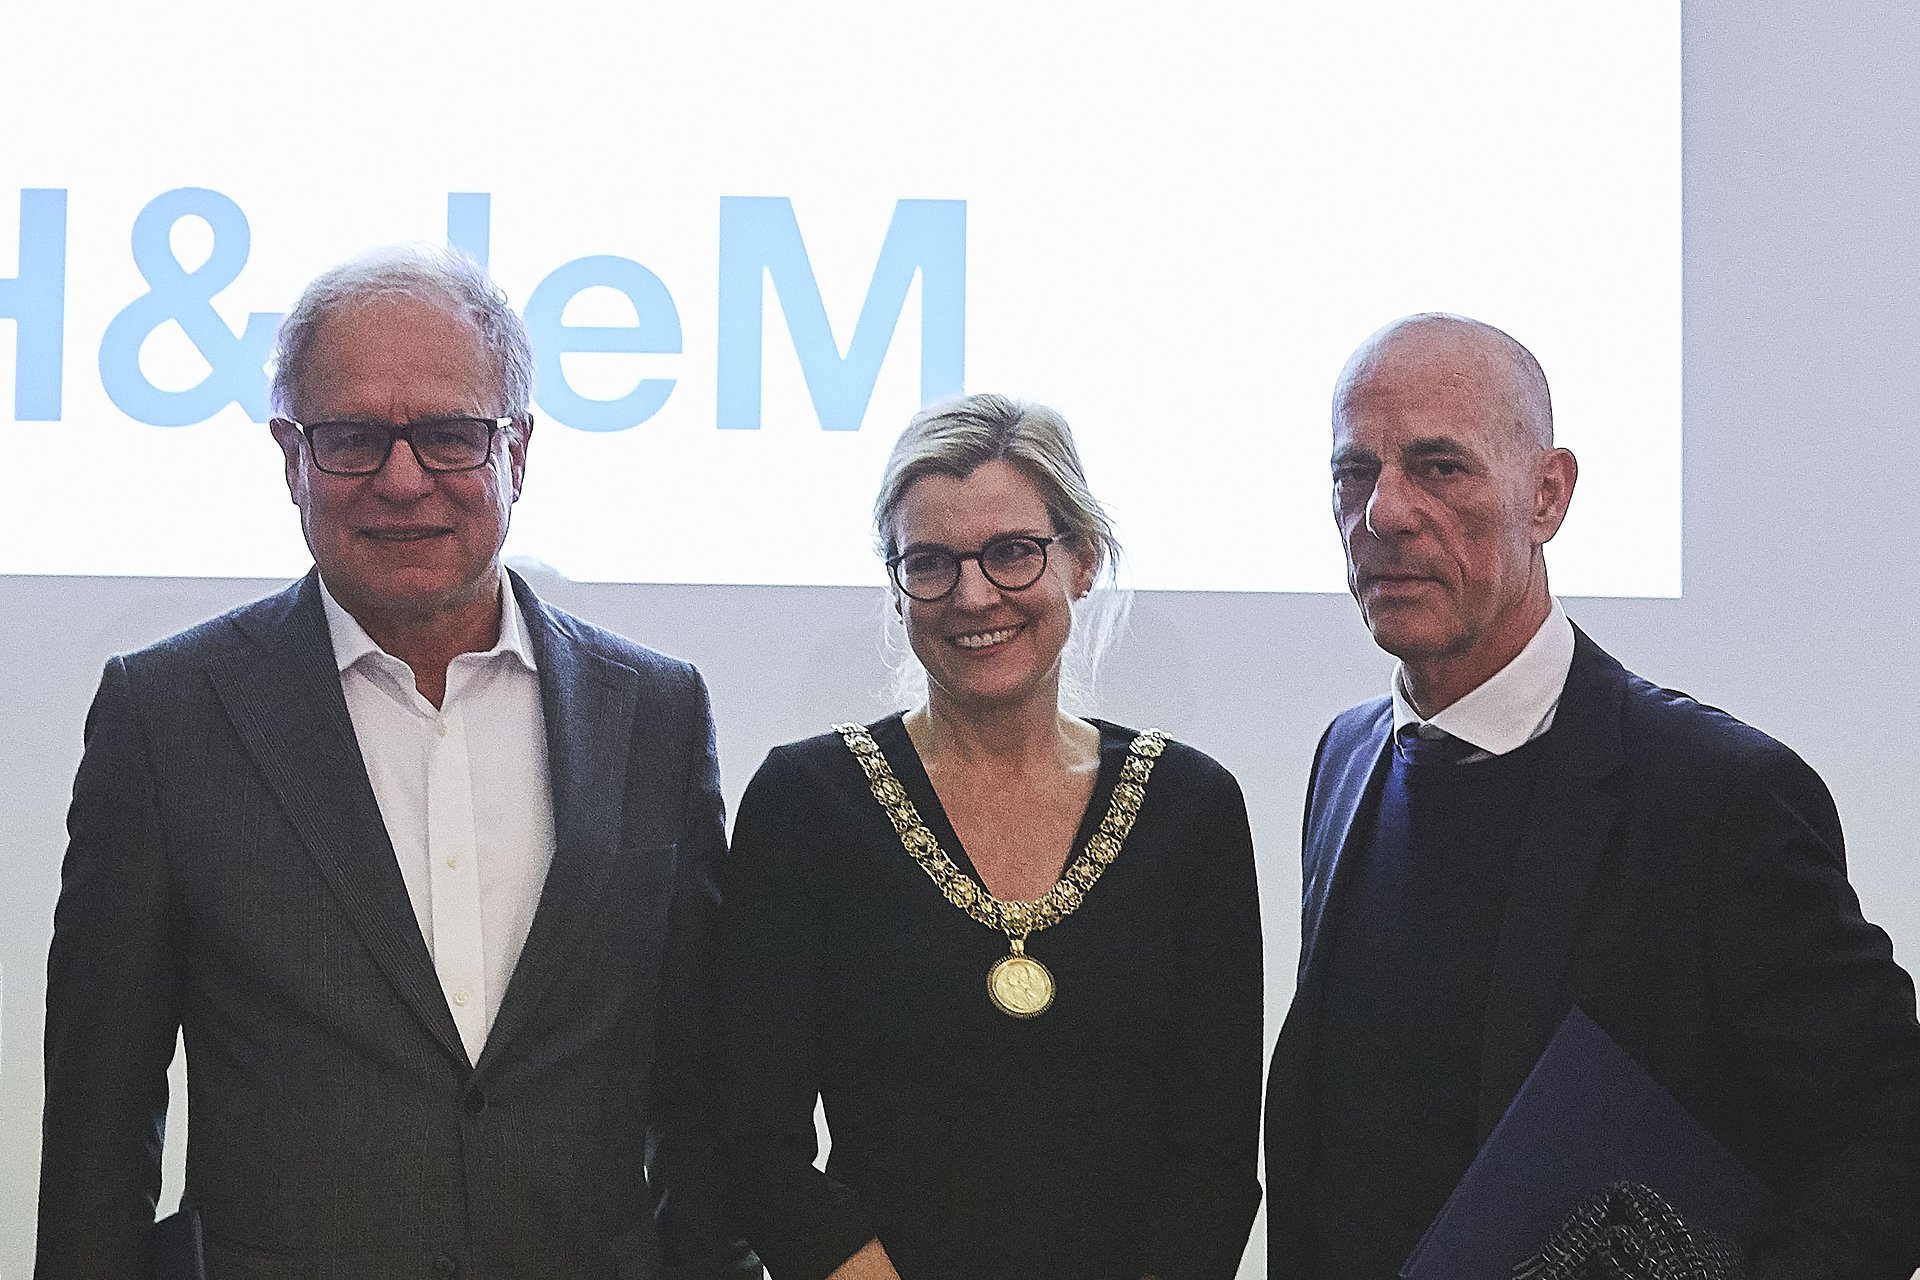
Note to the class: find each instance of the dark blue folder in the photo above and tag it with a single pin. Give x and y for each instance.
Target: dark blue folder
(1588, 1116)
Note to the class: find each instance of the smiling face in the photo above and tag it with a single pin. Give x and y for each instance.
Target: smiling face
(1445, 489)
(403, 545)
(982, 647)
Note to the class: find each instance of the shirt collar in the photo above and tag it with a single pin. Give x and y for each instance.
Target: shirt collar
(351, 643)
(1515, 705)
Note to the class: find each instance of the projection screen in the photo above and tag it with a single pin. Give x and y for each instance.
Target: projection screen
(751, 239)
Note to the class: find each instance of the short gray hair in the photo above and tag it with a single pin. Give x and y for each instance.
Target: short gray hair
(955, 438)
(444, 277)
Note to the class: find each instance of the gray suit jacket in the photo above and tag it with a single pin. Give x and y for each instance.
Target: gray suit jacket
(228, 874)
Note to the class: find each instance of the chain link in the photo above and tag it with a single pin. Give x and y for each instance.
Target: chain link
(1015, 919)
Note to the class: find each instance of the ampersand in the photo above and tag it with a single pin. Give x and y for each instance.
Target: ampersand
(236, 363)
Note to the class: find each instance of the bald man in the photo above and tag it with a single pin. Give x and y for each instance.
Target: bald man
(1522, 826)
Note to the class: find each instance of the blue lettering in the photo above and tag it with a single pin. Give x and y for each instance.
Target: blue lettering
(656, 331)
(759, 237)
(759, 240)
(236, 363)
(470, 224)
(36, 302)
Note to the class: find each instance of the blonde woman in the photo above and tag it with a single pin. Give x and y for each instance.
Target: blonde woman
(1016, 951)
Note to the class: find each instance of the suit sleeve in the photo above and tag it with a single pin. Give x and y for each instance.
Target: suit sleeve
(1824, 1024)
(697, 1235)
(803, 1223)
(1209, 1191)
(114, 998)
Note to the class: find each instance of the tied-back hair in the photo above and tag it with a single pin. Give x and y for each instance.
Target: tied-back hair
(956, 437)
(423, 273)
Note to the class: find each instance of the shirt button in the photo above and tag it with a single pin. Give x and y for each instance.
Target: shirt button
(452, 862)
(445, 1266)
(460, 997)
(475, 1102)
(440, 727)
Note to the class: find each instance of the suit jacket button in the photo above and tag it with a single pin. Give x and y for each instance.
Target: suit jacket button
(445, 1266)
(476, 1101)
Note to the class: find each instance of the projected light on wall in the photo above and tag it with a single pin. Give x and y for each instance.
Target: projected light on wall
(751, 240)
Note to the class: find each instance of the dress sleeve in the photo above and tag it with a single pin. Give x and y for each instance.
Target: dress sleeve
(802, 1224)
(1209, 1192)
(114, 996)
(1823, 1021)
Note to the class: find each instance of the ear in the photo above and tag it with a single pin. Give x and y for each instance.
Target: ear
(1086, 567)
(1554, 479)
(517, 452)
(292, 446)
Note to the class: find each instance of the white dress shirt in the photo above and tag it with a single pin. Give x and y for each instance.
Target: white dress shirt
(1513, 707)
(463, 791)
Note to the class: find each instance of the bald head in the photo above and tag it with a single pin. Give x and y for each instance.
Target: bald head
(1470, 356)
(1447, 487)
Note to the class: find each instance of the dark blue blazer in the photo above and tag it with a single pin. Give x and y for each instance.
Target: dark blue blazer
(1682, 879)
(228, 875)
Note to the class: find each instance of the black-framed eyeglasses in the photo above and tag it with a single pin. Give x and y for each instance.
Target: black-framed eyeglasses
(1011, 562)
(350, 447)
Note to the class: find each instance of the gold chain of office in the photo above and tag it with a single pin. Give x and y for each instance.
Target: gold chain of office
(1015, 919)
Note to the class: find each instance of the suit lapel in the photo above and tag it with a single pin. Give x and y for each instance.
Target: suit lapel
(282, 694)
(1565, 835)
(1352, 781)
(589, 705)
(1346, 782)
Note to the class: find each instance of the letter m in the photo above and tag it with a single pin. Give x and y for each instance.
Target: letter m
(759, 237)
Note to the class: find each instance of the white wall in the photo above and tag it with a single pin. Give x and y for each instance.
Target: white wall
(1802, 335)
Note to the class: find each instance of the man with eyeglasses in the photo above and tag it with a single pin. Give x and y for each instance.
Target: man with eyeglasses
(421, 867)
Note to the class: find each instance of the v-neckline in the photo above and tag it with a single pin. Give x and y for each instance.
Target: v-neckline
(897, 745)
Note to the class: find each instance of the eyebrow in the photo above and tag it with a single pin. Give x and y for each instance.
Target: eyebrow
(1418, 449)
(1436, 446)
(941, 546)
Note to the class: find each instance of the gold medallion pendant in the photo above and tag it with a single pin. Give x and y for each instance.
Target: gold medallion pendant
(1019, 985)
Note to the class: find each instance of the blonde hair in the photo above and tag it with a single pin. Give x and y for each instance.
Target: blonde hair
(956, 437)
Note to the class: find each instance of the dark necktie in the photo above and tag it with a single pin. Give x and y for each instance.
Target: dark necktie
(1418, 751)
